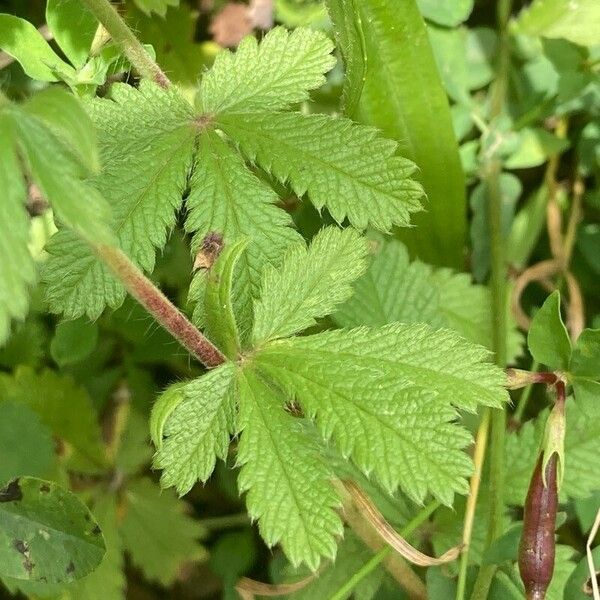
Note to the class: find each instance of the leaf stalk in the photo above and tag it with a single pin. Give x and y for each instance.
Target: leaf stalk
(127, 41)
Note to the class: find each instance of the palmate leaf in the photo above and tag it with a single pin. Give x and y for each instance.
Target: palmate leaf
(156, 150)
(347, 168)
(288, 485)
(309, 284)
(271, 75)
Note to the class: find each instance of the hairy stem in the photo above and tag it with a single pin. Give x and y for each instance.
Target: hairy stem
(159, 306)
(126, 40)
(498, 289)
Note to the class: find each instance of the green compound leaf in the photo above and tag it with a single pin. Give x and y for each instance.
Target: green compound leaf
(440, 362)
(548, 339)
(221, 326)
(64, 408)
(21, 40)
(309, 284)
(403, 97)
(271, 75)
(398, 432)
(228, 199)
(157, 533)
(196, 430)
(146, 139)
(17, 269)
(344, 167)
(73, 27)
(582, 448)
(46, 533)
(288, 486)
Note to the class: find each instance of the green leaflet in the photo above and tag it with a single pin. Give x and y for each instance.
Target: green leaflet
(287, 483)
(64, 408)
(73, 27)
(25, 43)
(548, 339)
(344, 167)
(73, 341)
(46, 533)
(585, 360)
(146, 141)
(196, 430)
(403, 97)
(157, 6)
(17, 270)
(271, 75)
(396, 290)
(578, 22)
(448, 13)
(157, 533)
(411, 353)
(582, 448)
(164, 405)
(26, 444)
(309, 284)
(228, 199)
(66, 117)
(221, 327)
(398, 432)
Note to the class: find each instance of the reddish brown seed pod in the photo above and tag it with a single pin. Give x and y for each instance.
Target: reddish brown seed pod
(537, 547)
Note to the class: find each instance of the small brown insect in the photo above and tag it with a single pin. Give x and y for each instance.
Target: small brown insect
(209, 251)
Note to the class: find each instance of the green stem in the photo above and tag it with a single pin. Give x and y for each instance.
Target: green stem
(126, 40)
(225, 522)
(498, 289)
(159, 306)
(381, 555)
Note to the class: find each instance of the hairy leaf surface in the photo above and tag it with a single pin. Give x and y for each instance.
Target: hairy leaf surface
(288, 486)
(344, 167)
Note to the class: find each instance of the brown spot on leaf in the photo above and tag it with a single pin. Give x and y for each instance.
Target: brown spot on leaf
(12, 492)
(21, 546)
(209, 251)
(96, 530)
(44, 488)
(70, 568)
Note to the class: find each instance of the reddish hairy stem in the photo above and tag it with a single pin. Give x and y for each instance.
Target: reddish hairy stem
(160, 307)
